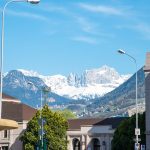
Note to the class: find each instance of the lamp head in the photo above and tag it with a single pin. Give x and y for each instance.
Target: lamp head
(121, 51)
(29, 83)
(46, 89)
(33, 1)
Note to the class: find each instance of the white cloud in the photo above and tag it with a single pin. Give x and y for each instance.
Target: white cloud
(53, 8)
(28, 15)
(101, 9)
(83, 22)
(144, 29)
(85, 25)
(85, 39)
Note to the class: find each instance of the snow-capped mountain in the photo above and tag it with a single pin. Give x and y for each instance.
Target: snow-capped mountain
(122, 98)
(28, 89)
(90, 84)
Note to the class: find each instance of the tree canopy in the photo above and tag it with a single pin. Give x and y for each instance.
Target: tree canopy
(55, 127)
(125, 133)
(68, 114)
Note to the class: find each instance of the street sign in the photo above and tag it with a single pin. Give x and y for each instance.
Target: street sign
(142, 147)
(137, 131)
(41, 121)
(41, 132)
(44, 121)
(137, 146)
(138, 139)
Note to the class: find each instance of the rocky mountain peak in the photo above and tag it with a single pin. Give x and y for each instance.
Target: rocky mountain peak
(91, 83)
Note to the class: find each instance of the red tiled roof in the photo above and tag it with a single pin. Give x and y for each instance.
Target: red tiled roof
(5, 96)
(17, 111)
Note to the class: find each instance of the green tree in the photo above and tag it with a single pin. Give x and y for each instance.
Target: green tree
(125, 133)
(55, 128)
(68, 114)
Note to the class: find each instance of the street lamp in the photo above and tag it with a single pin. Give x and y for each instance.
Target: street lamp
(33, 1)
(43, 100)
(2, 46)
(137, 130)
(45, 91)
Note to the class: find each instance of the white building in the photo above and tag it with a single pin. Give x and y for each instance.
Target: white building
(91, 133)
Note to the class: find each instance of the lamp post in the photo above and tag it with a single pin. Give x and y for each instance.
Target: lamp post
(45, 91)
(43, 97)
(2, 46)
(137, 130)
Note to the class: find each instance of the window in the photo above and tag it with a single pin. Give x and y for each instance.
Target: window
(76, 144)
(104, 145)
(95, 144)
(4, 147)
(5, 134)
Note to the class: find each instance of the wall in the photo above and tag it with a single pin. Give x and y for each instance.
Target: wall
(12, 141)
(87, 133)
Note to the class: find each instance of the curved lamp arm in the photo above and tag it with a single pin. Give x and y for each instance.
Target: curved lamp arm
(2, 45)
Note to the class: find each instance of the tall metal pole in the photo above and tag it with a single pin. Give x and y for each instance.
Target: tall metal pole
(1, 65)
(44, 92)
(2, 50)
(137, 139)
(137, 130)
(41, 120)
(41, 136)
(2, 47)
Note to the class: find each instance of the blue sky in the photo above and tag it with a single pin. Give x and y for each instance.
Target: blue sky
(63, 36)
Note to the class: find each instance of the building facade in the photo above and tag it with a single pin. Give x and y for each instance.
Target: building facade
(13, 109)
(83, 134)
(147, 99)
(91, 133)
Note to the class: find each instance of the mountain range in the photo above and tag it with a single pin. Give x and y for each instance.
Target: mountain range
(89, 85)
(28, 89)
(122, 99)
(96, 90)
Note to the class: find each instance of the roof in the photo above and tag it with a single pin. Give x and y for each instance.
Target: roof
(75, 124)
(17, 111)
(147, 64)
(6, 124)
(114, 122)
(5, 96)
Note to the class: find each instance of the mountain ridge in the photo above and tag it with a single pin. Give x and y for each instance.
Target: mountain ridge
(16, 84)
(121, 99)
(117, 100)
(90, 84)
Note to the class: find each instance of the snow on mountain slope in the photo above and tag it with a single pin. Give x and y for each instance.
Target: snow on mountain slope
(92, 83)
(30, 73)
(88, 92)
